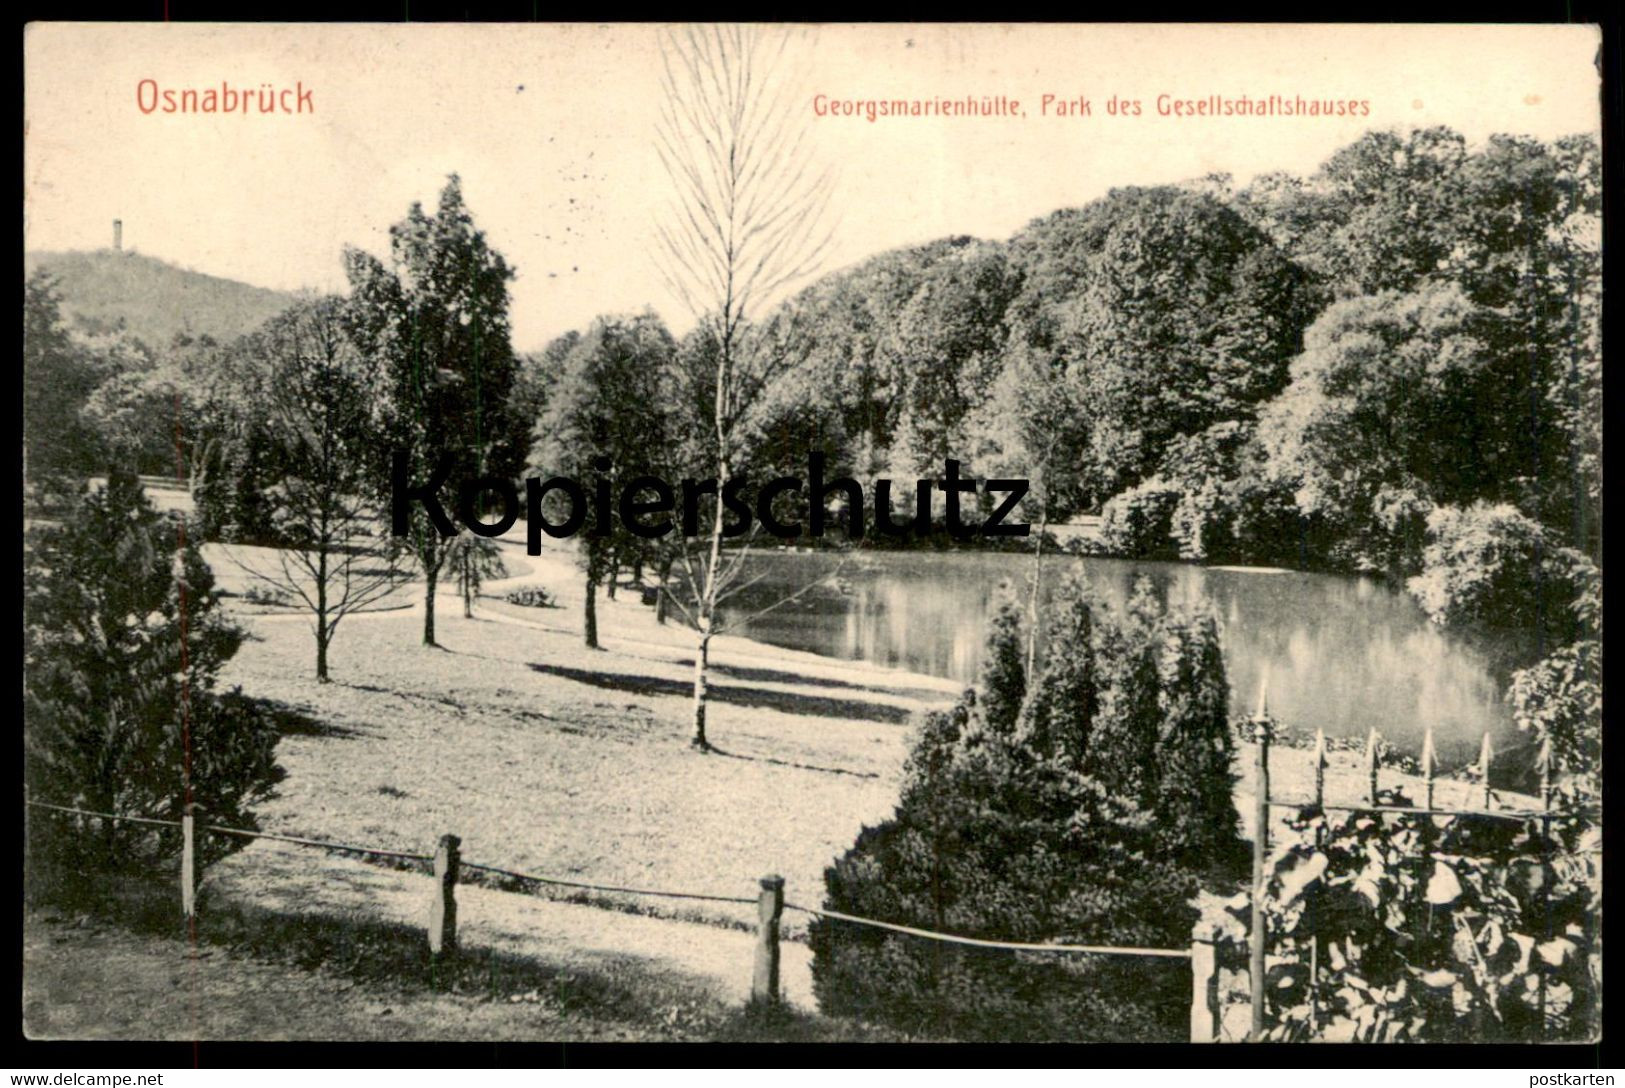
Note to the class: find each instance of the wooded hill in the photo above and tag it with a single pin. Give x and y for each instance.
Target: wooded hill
(154, 300)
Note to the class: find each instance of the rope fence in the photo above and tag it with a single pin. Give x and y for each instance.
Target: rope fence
(105, 815)
(1204, 954)
(533, 878)
(1009, 946)
(611, 888)
(320, 844)
(448, 867)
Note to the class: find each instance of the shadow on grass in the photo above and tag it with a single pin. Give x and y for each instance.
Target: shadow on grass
(376, 689)
(292, 721)
(778, 676)
(734, 695)
(712, 749)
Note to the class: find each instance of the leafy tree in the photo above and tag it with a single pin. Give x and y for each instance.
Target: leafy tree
(1168, 309)
(943, 354)
(472, 560)
(1032, 425)
(604, 427)
(133, 412)
(315, 430)
(535, 376)
(437, 320)
(1225, 504)
(1558, 700)
(1513, 225)
(59, 376)
(1139, 522)
(1387, 207)
(122, 642)
(1491, 566)
(200, 406)
(1398, 403)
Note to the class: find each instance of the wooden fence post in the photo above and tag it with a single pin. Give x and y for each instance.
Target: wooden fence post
(1430, 763)
(1261, 842)
(1320, 768)
(1207, 1016)
(1312, 905)
(1371, 767)
(764, 984)
(1485, 754)
(443, 910)
(1543, 761)
(188, 866)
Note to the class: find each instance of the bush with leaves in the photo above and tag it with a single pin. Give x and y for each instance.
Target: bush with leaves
(1434, 929)
(1138, 523)
(530, 597)
(1229, 508)
(472, 559)
(1559, 701)
(122, 642)
(1493, 566)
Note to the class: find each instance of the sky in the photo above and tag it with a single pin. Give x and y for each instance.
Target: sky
(551, 129)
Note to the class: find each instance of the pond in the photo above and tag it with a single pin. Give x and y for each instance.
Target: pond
(1341, 653)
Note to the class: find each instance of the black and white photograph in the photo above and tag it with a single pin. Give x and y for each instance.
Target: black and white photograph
(812, 533)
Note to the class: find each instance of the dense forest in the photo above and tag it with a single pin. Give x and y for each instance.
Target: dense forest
(1391, 365)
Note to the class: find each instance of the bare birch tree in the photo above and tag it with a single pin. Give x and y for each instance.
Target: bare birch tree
(748, 218)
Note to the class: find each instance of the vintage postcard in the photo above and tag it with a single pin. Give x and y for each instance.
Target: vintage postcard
(812, 533)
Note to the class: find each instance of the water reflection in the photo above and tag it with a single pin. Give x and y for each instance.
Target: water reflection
(1342, 653)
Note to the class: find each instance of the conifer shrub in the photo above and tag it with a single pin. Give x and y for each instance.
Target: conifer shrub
(123, 639)
(1089, 816)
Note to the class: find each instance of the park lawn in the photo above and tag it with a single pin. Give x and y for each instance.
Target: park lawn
(545, 756)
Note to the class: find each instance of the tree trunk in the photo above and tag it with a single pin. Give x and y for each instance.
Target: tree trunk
(590, 619)
(322, 630)
(706, 607)
(428, 607)
(1032, 601)
(702, 662)
(637, 570)
(660, 592)
(614, 573)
